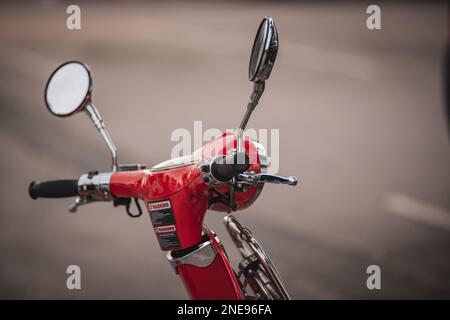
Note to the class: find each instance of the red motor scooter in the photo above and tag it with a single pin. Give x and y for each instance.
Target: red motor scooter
(225, 175)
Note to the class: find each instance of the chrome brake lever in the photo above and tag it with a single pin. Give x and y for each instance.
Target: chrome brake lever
(266, 178)
(73, 207)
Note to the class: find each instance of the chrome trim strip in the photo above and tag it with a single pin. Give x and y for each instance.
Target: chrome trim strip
(203, 256)
(182, 161)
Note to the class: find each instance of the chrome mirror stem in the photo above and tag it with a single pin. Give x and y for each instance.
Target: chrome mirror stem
(99, 124)
(258, 89)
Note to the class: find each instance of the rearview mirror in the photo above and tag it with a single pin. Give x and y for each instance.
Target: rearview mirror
(264, 51)
(262, 59)
(68, 89)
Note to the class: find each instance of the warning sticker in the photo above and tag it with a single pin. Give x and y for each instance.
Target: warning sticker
(168, 240)
(161, 213)
(164, 229)
(161, 205)
(163, 220)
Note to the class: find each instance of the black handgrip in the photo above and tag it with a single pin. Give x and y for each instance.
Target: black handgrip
(53, 189)
(227, 167)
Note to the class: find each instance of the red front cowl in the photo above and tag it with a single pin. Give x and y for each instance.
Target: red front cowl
(182, 194)
(184, 189)
(148, 185)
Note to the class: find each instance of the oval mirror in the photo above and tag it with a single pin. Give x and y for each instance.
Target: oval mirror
(68, 89)
(264, 51)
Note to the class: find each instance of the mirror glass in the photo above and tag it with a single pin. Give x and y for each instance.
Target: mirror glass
(264, 51)
(68, 89)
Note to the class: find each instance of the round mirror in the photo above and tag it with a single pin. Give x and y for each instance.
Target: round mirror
(68, 89)
(264, 51)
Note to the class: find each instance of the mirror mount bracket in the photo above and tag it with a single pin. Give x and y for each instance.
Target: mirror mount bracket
(97, 120)
(258, 89)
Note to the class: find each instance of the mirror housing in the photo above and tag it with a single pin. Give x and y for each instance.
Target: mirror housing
(264, 51)
(262, 59)
(68, 91)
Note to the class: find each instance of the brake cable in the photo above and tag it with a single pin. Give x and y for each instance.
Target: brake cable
(127, 203)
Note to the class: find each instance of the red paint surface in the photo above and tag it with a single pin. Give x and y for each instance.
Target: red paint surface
(214, 282)
(189, 196)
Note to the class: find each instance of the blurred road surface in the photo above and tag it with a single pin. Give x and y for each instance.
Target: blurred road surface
(361, 124)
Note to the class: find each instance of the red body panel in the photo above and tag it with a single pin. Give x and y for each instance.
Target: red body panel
(184, 188)
(214, 282)
(189, 197)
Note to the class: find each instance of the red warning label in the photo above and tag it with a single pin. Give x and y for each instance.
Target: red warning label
(170, 228)
(162, 205)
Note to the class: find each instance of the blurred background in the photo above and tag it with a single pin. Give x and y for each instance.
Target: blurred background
(362, 124)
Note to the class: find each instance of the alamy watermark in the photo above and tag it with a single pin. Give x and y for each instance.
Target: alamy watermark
(73, 281)
(73, 21)
(373, 21)
(374, 280)
(190, 143)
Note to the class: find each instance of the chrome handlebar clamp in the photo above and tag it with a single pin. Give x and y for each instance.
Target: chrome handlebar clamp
(95, 185)
(92, 186)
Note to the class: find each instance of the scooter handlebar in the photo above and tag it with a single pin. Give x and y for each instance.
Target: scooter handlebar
(53, 189)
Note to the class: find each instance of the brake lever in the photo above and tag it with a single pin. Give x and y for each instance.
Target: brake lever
(266, 178)
(79, 201)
